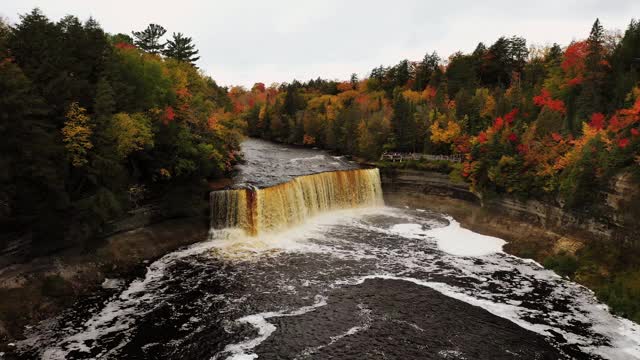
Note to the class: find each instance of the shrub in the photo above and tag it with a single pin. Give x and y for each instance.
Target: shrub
(563, 264)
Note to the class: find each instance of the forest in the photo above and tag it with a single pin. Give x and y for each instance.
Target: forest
(96, 124)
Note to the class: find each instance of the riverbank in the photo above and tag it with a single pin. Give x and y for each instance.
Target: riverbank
(599, 252)
(45, 286)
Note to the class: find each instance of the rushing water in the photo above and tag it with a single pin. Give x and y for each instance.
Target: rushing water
(281, 206)
(357, 280)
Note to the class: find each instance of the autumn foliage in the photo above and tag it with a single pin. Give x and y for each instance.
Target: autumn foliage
(95, 126)
(545, 100)
(528, 131)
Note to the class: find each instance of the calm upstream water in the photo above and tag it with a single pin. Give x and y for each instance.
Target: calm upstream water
(334, 274)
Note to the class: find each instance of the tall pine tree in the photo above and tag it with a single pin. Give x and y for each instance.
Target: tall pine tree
(149, 38)
(591, 98)
(181, 48)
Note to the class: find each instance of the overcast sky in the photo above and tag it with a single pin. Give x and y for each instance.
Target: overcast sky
(242, 42)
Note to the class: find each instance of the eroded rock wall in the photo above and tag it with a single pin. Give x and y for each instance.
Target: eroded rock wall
(612, 221)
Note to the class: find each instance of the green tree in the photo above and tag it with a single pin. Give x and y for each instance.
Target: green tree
(32, 184)
(461, 73)
(505, 56)
(130, 133)
(121, 38)
(625, 63)
(403, 123)
(554, 56)
(181, 48)
(424, 70)
(548, 122)
(5, 32)
(64, 60)
(293, 101)
(149, 38)
(104, 103)
(591, 97)
(354, 80)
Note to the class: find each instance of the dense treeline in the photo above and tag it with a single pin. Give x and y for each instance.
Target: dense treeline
(546, 122)
(95, 124)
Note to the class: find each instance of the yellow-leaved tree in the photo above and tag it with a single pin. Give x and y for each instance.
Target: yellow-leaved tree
(130, 132)
(76, 135)
(445, 134)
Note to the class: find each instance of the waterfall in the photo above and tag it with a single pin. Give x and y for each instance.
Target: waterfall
(283, 205)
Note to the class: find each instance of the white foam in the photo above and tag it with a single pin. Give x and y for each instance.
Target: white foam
(234, 244)
(452, 239)
(310, 158)
(411, 231)
(459, 241)
(112, 283)
(241, 351)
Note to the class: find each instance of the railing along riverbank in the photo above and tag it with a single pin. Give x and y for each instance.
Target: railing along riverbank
(400, 157)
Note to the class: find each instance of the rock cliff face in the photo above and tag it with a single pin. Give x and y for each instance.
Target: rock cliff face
(396, 181)
(613, 221)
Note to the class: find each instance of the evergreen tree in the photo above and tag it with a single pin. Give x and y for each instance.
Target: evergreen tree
(149, 38)
(63, 60)
(402, 74)
(5, 32)
(554, 56)
(292, 100)
(354, 80)
(349, 119)
(595, 44)
(480, 50)
(625, 63)
(121, 38)
(591, 97)
(32, 182)
(181, 48)
(505, 56)
(32, 40)
(424, 70)
(460, 73)
(104, 106)
(379, 73)
(402, 123)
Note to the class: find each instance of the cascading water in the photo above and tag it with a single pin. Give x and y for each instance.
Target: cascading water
(280, 206)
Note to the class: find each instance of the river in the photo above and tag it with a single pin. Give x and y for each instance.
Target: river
(334, 275)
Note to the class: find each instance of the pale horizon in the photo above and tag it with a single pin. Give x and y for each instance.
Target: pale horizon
(285, 40)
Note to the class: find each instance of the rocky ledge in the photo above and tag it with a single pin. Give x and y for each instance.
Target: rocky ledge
(517, 220)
